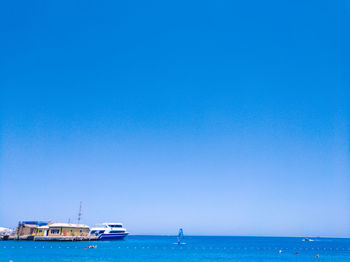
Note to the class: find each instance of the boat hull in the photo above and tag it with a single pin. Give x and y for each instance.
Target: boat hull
(119, 236)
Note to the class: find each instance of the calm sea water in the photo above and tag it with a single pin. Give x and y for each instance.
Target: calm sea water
(162, 248)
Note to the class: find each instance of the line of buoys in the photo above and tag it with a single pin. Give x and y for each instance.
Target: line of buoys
(206, 248)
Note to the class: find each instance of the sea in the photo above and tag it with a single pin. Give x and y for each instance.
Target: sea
(194, 248)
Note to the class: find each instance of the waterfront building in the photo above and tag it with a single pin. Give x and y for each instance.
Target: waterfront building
(41, 231)
(62, 229)
(27, 228)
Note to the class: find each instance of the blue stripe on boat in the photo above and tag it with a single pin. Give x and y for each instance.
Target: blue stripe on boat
(112, 236)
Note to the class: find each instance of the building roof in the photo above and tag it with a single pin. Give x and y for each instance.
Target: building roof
(34, 222)
(29, 225)
(43, 227)
(68, 225)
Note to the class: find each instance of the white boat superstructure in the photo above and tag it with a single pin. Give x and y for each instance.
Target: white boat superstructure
(5, 231)
(109, 231)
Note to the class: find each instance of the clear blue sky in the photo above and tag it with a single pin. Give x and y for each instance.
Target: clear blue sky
(222, 117)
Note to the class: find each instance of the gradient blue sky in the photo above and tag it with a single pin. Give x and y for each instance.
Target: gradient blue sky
(222, 117)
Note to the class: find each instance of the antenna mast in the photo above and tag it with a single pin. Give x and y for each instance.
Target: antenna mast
(79, 214)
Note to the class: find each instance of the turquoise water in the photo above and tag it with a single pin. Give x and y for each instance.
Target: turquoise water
(162, 248)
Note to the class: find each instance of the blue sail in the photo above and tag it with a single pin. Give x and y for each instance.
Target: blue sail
(180, 236)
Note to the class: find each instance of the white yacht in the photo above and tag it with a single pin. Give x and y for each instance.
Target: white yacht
(109, 231)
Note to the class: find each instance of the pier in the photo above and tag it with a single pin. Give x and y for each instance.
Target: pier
(50, 238)
(48, 231)
(66, 238)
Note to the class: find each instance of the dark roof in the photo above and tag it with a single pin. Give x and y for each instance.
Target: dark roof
(36, 223)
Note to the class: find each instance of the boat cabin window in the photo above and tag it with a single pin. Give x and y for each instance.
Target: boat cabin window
(115, 225)
(116, 231)
(96, 232)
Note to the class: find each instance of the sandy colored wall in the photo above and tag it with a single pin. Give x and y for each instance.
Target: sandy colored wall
(75, 231)
(69, 231)
(24, 231)
(38, 233)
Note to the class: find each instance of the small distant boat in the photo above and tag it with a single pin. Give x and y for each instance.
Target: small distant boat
(307, 239)
(5, 231)
(109, 231)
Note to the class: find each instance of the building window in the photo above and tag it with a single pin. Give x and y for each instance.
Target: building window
(54, 231)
